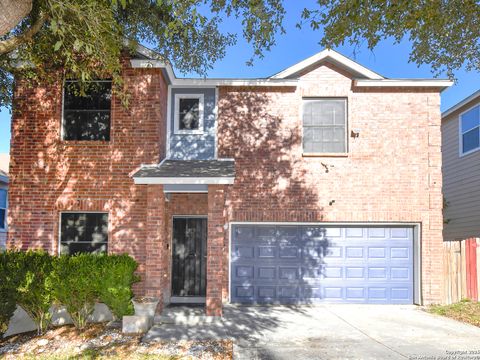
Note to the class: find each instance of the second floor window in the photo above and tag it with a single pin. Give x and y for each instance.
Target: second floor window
(87, 117)
(324, 126)
(188, 116)
(3, 209)
(470, 130)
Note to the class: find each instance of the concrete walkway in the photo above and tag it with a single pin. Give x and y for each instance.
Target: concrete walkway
(330, 332)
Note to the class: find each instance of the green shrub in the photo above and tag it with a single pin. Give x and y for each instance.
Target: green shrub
(34, 290)
(11, 273)
(35, 279)
(75, 284)
(116, 280)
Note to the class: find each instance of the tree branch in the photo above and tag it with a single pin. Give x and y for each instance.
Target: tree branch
(14, 42)
(12, 12)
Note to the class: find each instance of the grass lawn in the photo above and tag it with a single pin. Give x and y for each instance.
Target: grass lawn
(465, 311)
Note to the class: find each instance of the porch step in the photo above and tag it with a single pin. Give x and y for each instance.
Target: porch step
(184, 315)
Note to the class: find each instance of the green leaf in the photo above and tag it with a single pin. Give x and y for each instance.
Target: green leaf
(58, 44)
(53, 25)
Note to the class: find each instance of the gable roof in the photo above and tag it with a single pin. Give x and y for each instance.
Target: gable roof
(219, 171)
(474, 96)
(146, 58)
(363, 77)
(333, 57)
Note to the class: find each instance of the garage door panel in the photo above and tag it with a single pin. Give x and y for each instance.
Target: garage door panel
(308, 264)
(354, 233)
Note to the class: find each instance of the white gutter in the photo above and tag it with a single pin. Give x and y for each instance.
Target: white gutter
(438, 83)
(183, 180)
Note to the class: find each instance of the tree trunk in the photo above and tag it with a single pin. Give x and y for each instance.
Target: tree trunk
(12, 12)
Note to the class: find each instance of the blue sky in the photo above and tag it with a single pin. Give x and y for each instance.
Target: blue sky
(388, 59)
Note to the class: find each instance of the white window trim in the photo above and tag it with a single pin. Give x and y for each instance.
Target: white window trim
(62, 120)
(5, 229)
(59, 242)
(176, 117)
(347, 124)
(460, 134)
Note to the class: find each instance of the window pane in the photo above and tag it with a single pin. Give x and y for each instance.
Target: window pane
(3, 198)
(471, 119)
(339, 134)
(307, 113)
(74, 248)
(189, 114)
(87, 231)
(328, 134)
(98, 96)
(471, 140)
(2, 219)
(86, 125)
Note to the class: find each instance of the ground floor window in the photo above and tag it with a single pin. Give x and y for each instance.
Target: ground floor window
(83, 233)
(3, 209)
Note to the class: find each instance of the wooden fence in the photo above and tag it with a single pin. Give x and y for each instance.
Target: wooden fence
(461, 270)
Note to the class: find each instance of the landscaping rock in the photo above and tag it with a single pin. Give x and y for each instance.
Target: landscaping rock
(135, 324)
(42, 342)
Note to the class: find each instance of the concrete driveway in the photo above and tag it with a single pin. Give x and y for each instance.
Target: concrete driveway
(331, 332)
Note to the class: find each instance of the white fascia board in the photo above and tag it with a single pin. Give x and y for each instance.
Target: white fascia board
(462, 103)
(184, 180)
(437, 83)
(335, 57)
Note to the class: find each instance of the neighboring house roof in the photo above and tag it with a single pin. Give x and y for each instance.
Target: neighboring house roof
(3, 176)
(220, 171)
(366, 77)
(473, 97)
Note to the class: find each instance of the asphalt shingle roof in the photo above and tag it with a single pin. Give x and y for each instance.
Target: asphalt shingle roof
(189, 169)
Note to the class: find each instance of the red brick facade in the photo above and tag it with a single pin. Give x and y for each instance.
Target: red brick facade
(392, 172)
(49, 175)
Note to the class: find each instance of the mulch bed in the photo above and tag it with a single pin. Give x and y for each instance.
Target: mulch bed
(101, 342)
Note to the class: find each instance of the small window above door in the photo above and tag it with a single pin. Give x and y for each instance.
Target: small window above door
(189, 113)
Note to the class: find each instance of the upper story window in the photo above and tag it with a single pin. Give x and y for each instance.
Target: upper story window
(3, 209)
(188, 116)
(82, 232)
(324, 126)
(470, 130)
(87, 117)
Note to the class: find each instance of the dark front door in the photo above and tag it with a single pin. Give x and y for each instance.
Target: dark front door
(189, 257)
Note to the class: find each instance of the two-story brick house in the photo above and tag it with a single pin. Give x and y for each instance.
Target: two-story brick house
(320, 183)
